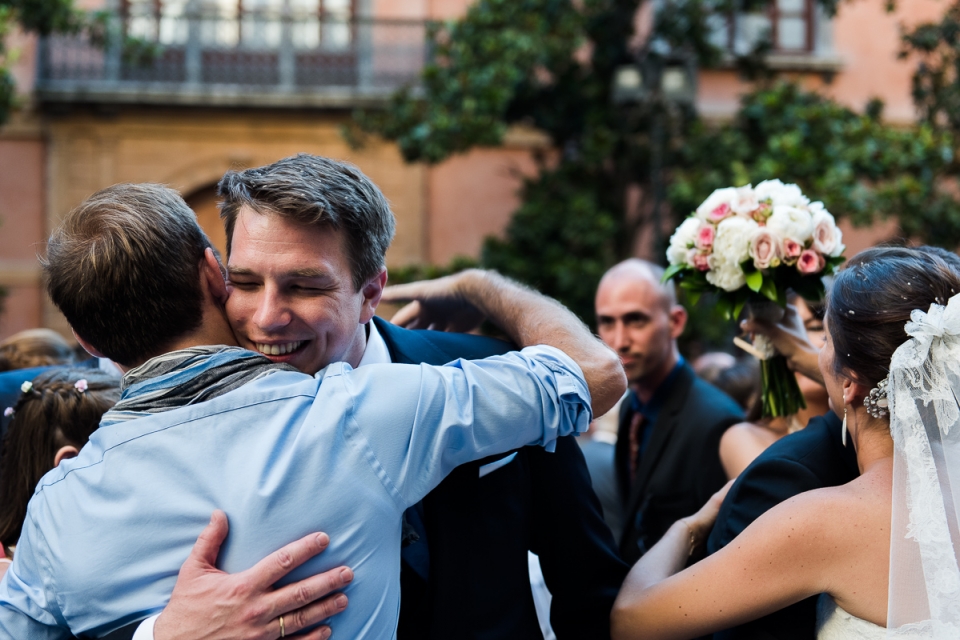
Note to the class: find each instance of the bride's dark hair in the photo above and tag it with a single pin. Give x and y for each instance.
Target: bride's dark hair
(871, 301)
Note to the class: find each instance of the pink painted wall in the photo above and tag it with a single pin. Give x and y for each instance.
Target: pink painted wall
(867, 39)
(470, 197)
(21, 232)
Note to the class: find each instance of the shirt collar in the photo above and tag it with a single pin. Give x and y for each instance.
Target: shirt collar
(652, 408)
(376, 351)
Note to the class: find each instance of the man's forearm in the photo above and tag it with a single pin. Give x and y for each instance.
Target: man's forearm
(530, 318)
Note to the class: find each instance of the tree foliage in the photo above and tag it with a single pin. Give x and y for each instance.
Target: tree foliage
(861, 168)
(550, 64)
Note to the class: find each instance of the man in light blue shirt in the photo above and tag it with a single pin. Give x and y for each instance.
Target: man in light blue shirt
(284, 454)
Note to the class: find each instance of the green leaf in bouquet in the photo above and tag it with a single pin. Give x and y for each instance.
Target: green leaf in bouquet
(809, 288)
(725, 307)
(671, 271)
(769, 289)
(755, 281)
(693, 297)
(738, 304)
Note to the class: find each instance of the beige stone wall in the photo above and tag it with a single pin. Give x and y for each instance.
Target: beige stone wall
(21, 229)
(190, 151)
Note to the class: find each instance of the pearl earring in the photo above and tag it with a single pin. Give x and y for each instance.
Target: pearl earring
(843, 429)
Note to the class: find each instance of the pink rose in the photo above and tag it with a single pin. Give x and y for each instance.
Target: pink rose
(702, 262)
(790, 250)
(810, 262)
(721, 212)
(705, 236)
(764, 249)
(826, 235)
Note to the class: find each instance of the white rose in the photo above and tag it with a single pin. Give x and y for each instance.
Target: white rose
(826, 235)
(781, 194)
(747, 201)
(730, 247)
(726, 277)
(718, 206)
(732, 242)
(681, 241)
(791, 222)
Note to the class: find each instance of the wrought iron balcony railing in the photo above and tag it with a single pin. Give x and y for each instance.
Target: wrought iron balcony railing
(253, 59)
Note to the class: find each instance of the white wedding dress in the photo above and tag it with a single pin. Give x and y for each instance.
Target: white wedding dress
(833, 623)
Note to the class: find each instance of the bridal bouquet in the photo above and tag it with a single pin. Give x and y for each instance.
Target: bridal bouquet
(750, 245)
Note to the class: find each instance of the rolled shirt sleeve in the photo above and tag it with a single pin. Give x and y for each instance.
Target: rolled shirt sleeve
(421, 422)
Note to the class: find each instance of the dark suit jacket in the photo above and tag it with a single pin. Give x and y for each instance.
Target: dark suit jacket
(809, 459)
(478, 531)
(680, 468)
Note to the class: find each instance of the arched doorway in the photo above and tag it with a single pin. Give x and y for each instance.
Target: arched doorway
(204, 203)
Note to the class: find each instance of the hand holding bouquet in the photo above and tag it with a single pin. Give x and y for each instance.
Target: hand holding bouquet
(751, 245)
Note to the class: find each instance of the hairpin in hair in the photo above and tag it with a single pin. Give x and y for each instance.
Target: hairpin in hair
(876, 403)
(26, 387)
(81, 385)
(8, 412)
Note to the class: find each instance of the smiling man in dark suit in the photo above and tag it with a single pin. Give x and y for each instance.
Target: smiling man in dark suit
(464, 565)
(667, 454)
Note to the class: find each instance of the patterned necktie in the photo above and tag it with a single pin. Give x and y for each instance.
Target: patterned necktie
(636, 437)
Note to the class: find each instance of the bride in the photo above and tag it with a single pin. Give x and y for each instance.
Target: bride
(891, 364)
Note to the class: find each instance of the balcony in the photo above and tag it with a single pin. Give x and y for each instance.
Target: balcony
(279, 59)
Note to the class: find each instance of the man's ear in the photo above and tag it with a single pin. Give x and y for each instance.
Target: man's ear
(89, 348)
(371, 292)
(678, 321)
(68, 451)
(213, 272)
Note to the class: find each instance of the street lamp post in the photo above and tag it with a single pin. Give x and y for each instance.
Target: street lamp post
(660, 82)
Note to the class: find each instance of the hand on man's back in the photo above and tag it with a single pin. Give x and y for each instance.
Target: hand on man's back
(208, 604)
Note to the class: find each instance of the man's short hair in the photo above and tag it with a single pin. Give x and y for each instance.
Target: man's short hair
(124, 268)
(319, 192)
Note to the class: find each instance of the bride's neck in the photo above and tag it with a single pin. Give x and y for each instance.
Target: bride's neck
(873, 444)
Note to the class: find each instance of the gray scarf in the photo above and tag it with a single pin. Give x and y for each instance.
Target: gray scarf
(187, 376)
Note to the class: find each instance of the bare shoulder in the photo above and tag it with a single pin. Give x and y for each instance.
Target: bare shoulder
(741, 443)
(834, 523)
(748, 433)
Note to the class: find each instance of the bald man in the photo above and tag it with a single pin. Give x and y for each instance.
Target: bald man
(667, 454)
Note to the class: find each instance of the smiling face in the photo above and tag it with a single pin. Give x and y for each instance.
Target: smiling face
(291, 293)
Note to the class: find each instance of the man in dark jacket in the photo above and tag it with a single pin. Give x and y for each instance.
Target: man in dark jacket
(667, 455)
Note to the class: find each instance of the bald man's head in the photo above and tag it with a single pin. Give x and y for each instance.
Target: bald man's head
(639, 318)
(637, 269)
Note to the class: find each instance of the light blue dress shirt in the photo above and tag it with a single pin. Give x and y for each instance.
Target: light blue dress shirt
(345, 451)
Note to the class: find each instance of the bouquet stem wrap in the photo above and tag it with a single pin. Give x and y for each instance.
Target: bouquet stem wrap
(780, 394)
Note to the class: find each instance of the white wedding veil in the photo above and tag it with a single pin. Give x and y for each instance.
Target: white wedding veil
(924, 403)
